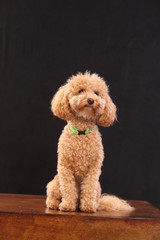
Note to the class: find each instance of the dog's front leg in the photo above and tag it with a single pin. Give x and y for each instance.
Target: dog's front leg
(68, 190)
(89, 187)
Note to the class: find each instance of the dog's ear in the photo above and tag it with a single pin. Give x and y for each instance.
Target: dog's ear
(109, 115)
(60, 104)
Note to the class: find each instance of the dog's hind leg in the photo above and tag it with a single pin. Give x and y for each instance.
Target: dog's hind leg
(53, 193)
(98, 195)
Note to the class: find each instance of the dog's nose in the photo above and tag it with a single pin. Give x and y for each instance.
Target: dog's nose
(90, 101)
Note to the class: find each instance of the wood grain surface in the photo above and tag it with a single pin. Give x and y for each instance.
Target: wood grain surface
(26, 217)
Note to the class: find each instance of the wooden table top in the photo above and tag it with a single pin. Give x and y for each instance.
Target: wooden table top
(26, 217)
(35, 204)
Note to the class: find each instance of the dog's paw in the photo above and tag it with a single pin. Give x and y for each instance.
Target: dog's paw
(88, 207)
(67, 207)
(52, 203)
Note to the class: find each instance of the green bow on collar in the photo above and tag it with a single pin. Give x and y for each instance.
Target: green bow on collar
(79, 132)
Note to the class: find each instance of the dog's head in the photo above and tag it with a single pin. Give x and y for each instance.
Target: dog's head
(84, 96)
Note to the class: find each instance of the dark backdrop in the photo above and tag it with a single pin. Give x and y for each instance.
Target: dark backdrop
(42, 43)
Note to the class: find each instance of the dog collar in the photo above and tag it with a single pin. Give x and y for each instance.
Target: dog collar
(79, 132)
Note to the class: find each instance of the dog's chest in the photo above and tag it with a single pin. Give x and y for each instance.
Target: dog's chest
(79, 152)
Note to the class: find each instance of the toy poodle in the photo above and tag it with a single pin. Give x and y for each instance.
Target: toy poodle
(83, 102)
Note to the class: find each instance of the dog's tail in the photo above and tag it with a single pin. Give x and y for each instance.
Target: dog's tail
(112, 203)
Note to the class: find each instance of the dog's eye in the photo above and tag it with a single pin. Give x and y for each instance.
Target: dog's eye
(96, 93)
(80, 91)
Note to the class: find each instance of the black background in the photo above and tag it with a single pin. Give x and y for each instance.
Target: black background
(42, 43)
